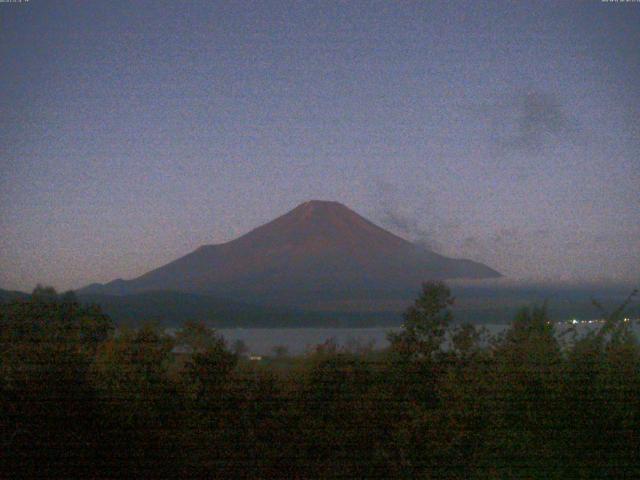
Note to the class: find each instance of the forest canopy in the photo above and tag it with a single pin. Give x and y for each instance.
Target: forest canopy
(82, 399)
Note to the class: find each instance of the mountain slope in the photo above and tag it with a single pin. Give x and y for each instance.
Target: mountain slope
(318, 251)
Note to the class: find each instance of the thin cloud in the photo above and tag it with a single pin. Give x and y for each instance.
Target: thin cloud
(408, 223)
(409, 226)
(529, 122)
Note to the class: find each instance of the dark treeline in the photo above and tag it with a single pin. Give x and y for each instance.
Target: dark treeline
(79, 400)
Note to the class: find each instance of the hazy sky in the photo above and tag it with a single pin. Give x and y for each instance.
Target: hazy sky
(132, 132)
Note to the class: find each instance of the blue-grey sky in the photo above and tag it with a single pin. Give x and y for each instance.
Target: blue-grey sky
(133, 132)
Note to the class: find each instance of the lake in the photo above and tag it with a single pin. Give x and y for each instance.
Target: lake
(261, 341)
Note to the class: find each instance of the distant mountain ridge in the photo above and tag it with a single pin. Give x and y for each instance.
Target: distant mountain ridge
(10, 295)
(319, 251)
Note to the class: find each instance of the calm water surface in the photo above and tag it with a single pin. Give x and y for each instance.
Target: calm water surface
(262, 341)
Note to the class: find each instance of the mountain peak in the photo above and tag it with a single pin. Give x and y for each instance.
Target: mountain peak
(318, 206)
(320, 215)
(320, 203)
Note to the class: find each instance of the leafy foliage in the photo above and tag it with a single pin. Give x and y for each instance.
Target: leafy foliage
(443, 401)
(425, 322)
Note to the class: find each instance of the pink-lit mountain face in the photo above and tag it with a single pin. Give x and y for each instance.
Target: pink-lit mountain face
(319, 251)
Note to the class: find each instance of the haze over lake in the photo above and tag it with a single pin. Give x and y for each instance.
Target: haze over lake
(263, 341)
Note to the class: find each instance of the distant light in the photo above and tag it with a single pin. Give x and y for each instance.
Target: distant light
(574, 321)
